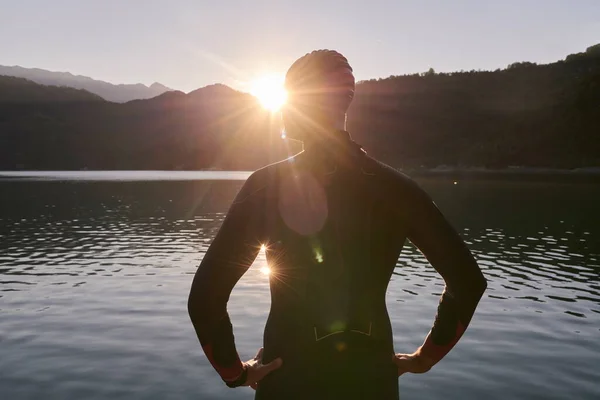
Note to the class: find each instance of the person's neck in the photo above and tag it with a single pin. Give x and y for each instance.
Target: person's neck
(337, 123)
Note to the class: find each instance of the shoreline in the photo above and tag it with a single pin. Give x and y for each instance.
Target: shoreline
(504, 171)
(579, 175)
(435, 170)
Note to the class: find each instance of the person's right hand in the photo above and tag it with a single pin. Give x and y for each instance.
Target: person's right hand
(414, 363)
(257, 370)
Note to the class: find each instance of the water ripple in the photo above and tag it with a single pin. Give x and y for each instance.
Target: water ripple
(94, 278)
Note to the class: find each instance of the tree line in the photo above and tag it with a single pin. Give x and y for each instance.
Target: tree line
(523, 115)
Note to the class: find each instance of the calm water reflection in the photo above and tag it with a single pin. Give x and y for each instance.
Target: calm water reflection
(94, 279)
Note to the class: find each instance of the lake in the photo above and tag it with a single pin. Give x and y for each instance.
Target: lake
(95, 269)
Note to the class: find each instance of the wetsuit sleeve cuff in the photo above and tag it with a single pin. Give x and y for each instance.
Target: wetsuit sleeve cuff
(240, 380)
(228, 373)
(435, 352)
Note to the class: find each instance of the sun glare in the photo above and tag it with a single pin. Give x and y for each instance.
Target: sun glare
(268, 89)
(265, 270)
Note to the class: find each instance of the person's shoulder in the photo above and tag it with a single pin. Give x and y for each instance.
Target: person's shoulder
(266, 177)
(388, 176)
(396, 189)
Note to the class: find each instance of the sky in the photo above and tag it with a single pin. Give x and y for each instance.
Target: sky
(187, 44)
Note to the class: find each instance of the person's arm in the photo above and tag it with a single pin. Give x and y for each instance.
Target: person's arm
(448, 254)
(232, 252)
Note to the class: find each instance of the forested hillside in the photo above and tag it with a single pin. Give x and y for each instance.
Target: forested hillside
(525, 115)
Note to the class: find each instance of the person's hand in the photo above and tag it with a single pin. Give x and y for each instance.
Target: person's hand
(257, 370)
(415, 363)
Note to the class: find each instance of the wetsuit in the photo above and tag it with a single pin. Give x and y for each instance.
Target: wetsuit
(333, 221)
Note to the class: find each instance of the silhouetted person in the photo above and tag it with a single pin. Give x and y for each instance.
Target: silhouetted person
(333, 221)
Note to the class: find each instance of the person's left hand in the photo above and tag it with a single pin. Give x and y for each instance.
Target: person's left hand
(257, 370)
(415, 363)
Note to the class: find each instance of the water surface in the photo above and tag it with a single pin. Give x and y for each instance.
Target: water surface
(94, 277)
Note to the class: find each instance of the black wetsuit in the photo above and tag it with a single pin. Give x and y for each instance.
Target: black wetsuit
(333, 221)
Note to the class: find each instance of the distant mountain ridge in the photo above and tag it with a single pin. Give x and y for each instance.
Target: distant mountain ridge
(120, 93)
(15, 90)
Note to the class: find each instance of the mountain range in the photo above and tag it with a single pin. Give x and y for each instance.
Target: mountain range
(117, 93)
(524, 115)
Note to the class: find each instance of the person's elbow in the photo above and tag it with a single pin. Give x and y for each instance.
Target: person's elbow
(205, 305)
(471, 285)
(477, 284)
(194, 306)
(191, 306)
(480, 285)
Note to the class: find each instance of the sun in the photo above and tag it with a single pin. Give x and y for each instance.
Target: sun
(269, 90)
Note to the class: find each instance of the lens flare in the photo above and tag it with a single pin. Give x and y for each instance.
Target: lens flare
(269, 90)
(265, 271)
(319, 256)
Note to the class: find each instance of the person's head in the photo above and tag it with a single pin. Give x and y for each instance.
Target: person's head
(320, 88)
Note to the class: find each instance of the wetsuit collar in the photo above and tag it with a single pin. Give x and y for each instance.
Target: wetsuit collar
(335, 143)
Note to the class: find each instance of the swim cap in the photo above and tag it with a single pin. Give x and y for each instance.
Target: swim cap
(322, 79)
